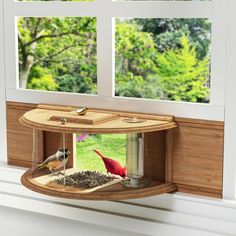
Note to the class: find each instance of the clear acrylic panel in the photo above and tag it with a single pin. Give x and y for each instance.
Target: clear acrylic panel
(109, 145)
(57, 54)
(164, 59)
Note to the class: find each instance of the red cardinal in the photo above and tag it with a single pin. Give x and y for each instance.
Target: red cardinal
(113, 166)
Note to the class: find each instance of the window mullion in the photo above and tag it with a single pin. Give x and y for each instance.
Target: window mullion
(3, 138)
(105, 59)
(218, 55)
(162, 9)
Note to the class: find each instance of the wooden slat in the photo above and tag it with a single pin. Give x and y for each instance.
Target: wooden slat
(154, 155)
(198, 157)
(200, 121)
(19, 137)
(169, 156)
(199, 191)
(56, 107)
(200, 125)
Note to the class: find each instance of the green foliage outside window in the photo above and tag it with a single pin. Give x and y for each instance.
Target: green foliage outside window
(163, 63)
(164, 59)
(59, 48)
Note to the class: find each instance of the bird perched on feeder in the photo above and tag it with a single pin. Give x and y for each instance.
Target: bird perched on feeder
(112, 166)
(56, 161)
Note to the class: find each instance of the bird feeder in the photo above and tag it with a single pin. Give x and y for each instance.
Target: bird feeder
(54, 172)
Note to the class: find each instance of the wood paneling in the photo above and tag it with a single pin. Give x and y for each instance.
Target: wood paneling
(169, 151)
(200, 191)
(198, 156)
(19, 137)
(154, 155)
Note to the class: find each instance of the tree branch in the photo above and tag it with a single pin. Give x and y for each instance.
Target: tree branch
(47, 58)
(37, 27)
(49, 36)
(54, 35)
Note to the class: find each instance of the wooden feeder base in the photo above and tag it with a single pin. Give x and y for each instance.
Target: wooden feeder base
(114, 190)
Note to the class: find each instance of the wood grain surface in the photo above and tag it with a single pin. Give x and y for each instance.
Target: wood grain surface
(40, 119)
(198, 157)
(112, 192)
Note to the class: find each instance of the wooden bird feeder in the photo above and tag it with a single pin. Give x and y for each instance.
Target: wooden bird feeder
(142, 181)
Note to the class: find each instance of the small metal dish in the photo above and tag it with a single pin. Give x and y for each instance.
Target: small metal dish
(133, 120)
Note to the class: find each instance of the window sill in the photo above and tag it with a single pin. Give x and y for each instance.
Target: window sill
(176, 210)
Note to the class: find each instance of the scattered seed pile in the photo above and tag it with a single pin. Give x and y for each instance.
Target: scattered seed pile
(85, 179)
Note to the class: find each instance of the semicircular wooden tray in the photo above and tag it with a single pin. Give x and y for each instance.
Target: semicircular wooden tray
(115, 191)
(47, 118)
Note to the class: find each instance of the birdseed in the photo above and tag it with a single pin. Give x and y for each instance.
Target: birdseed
(85, 179)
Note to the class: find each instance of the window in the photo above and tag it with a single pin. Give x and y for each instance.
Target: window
(106, 12)
(163, 58)
(103, 78)
(57, 54)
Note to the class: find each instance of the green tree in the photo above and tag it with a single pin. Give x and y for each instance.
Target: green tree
(142, 71)
(46, 82)
(182, 76)
(136, 72)
(167, 33)
(58, 44)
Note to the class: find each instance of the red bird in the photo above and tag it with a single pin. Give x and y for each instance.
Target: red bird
(113, 166)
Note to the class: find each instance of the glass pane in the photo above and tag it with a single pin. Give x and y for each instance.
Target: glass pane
(165, 59)
(57, 54)
(109, 145)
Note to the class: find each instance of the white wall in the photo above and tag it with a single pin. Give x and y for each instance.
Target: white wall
(163, 215)
(3, 154)
(16, 222)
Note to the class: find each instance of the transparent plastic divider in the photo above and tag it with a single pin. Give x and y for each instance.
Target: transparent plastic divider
(64, 155)
(37, 148)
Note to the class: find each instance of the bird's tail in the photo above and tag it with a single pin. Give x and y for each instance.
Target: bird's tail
(40, 166)
(100, 154)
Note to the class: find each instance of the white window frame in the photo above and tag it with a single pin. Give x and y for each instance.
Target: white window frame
(105, 11)
(3, 155)
(105, 99)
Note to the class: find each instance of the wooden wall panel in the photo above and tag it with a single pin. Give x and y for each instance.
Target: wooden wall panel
(154, 155)
(19, 137)
(198, 157)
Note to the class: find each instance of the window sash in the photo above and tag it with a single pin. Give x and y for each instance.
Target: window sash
(106, 11)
